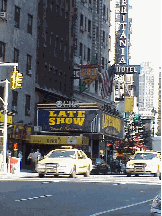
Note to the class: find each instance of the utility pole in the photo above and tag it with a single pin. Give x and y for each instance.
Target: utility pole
(5, 104)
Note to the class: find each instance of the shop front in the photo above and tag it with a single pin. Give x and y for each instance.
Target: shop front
(83, 125)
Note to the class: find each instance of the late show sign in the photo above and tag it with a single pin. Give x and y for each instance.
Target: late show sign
(79, 120)
(66, 119)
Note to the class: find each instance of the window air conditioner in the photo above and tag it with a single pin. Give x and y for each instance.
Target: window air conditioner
(3, 15)
(14, 108)
(29, 72)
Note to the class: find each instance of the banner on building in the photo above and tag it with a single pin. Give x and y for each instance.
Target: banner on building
(111, 125)
(88, 73)
(21, 132)
(129, 104)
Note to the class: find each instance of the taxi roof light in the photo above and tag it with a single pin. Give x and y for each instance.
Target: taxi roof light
(66, 147)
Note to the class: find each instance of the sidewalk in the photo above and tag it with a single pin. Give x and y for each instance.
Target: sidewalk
(22, 174)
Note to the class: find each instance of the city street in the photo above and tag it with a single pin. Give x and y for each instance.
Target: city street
(95, 195)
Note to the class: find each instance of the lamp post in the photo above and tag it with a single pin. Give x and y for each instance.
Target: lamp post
(5, 104)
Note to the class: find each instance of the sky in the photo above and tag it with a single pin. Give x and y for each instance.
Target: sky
(146, 32)
(146, 37)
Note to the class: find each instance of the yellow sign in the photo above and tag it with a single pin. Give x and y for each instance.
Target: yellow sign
(56, 140)
(9, 118)
(128, 104)
(111, 121)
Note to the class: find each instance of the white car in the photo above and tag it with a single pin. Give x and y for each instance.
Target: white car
(144, 162)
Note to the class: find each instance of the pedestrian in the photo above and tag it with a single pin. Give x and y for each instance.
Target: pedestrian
(38, 155)
(31, 159)
(20, 156)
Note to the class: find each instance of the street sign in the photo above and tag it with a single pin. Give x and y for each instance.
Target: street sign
(9, 118)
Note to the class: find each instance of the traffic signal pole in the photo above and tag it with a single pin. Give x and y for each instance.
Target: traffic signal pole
(5, 104)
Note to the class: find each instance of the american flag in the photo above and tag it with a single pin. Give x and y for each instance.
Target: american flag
(107, 81)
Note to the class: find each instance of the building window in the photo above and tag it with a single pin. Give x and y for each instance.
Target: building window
(28, 72)
(98, 6)
(97, 33)
(103, 62)
(81, 19)
(84, 52)
(81, 49)
(104, 11)
(4, 5)
(27, 106)
(85, 23)
(30, 22)
(2, 51)
(89, 27)
(103, 39)
(17, 17)
(61, 42)
(16, 55)
(88, 54)
(14, 100)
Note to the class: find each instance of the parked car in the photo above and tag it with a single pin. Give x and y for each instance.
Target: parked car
(100, 166)
(65, 161)
(156, 205)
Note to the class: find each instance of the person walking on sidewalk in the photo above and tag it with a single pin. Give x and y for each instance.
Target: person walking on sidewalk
(20, 156)
(31, 158)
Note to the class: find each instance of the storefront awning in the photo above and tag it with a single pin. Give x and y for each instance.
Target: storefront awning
(59, 140)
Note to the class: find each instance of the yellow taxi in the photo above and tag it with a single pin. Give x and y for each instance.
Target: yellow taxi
(144, 162)
(65, 161)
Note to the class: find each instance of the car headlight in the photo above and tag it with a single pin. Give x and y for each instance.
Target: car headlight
(41, 165)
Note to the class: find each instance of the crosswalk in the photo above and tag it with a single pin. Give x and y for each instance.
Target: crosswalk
(113, 179)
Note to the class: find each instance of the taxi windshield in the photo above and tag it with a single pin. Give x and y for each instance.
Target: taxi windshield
(144, 156)
(62, 154)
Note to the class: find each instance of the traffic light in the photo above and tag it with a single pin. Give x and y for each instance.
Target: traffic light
(15, 146)
(16, 80)
(13, 80)
(19, 79)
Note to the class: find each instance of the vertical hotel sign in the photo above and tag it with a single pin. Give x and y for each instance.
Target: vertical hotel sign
(124, 32)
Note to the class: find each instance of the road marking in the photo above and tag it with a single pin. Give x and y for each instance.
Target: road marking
(31, 198)
(123, 207)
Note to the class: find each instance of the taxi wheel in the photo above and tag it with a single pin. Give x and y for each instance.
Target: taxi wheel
(87, 172)
(73, 173)
(128, 174)
(41, 175)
